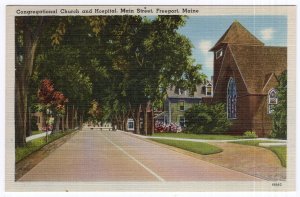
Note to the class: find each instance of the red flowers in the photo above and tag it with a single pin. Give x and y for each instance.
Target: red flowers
(162, 127)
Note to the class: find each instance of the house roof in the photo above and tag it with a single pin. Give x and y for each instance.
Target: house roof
(173, 93)
(257, 64)
(237, 34)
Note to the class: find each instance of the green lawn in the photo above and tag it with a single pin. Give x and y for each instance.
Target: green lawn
(198, 136)
(36, 132)
(280, 151)
(36, 144)
(196, 147)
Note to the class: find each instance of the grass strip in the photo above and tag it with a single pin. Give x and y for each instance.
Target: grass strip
(198, 136)
(36, 144)
(280, 151)
(196, 147)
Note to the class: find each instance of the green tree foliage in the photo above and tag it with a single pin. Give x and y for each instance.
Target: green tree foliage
(141, 58)
(121, 62)
(209, 119)
(30, 33)
(95, 112)
(279, 114)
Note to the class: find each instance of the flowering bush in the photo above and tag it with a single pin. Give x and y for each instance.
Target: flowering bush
(174, 128)
(162, 127)
(47, 128)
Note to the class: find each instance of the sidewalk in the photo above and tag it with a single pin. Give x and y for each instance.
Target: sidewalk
(202, 140)
(32, 137)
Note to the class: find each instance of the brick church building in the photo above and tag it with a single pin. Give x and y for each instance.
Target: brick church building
(245, 78)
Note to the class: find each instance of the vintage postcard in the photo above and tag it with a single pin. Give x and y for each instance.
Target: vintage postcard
(150, 98)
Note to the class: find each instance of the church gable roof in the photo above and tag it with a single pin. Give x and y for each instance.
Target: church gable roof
(258, 63)
(269, 81)
(237, 34)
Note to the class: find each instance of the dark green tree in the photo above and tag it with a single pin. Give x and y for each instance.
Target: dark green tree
(279, 114)
(30, 33)
(204, 118)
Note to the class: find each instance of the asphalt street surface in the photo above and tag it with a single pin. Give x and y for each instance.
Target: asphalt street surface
(93, 155)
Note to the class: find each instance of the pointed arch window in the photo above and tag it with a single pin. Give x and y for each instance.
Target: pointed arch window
(272, 100)
(231, 99)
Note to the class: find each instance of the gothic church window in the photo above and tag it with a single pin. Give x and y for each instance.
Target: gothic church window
(231, 99)
(272, 100)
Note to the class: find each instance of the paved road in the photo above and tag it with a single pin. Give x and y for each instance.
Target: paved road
(115, 156)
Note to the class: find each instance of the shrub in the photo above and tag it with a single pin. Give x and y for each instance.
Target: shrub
(162, 127)
(159, 127)
(250, 134)
(34, 126)
(174, 128)
(203, 118)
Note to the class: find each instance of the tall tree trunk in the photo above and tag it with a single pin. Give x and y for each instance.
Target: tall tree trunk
(117, 122)
(152, 121)
(20, 114)
(121, 125)
(67, 118)
(76, 117)
(137, 122)
(22, 76)
(63, 123)
(81, 120)
(124, 125)
(125, 122)
(28, 130)
(114, 125)
(57, 123)
(145, 120)
(73, 117)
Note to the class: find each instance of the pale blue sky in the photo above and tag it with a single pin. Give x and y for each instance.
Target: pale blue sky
(204, 32)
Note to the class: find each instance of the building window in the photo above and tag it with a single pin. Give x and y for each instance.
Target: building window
(181, 91)
(219, 53)
(182, 121)
(181, 105)
(130, 124)
(209, 90)
(203, 90)
(231, 99)
(272, 100)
